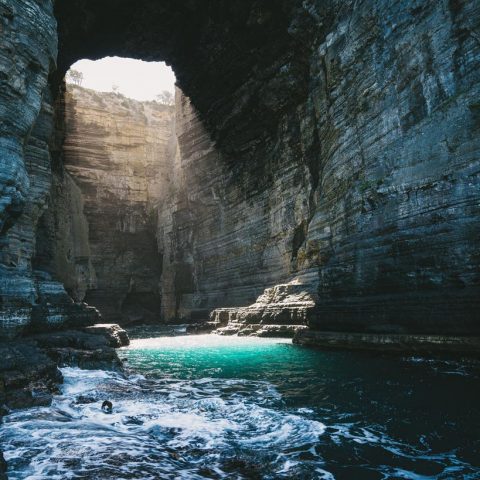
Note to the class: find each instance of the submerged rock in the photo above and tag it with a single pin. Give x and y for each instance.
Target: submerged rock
(3, 467)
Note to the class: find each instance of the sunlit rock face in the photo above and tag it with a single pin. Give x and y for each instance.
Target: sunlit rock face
(330, 141)
(118, 153)
(282, 311)
(367, 188)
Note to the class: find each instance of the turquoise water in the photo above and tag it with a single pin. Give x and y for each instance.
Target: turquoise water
(196, 407)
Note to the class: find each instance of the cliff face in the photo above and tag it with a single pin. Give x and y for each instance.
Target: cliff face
(334, 144)
(118, 153)
(366, 192)
(226, 228)
(30, 299)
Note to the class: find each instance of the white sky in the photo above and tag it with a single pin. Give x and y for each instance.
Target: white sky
(135, 78)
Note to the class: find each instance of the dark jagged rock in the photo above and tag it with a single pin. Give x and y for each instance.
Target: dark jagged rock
(3, 468)
(87, 350)
(201, 327)
(28, 376)
(390, 342)
(116, 336)
(29, 372)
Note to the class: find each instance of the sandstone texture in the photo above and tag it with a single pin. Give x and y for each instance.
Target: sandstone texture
(333, 143)
(282, 310)
(401, 343)
(118, 153)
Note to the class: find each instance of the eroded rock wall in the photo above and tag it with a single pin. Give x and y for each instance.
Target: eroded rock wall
(118, 153)
(346, 152)
(367, 191)
(226, 227)
(394, 101)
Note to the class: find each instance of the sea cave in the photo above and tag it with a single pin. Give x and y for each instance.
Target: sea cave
(271, 272)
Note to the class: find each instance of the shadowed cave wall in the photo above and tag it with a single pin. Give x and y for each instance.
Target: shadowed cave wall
(335, 143)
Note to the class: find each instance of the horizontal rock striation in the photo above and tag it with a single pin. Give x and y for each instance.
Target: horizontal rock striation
(330, 141)
(116, 336)
(402, 343)
(282, 310)
(118, 153)
(367, 190)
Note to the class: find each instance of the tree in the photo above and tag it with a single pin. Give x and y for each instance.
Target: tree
(75, 77)
(166, 98)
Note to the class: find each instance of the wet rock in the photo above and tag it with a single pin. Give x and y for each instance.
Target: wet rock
(117, 336)
(29, 373)
(3, 467)
(390, 342)
(85, 399)
(80, 349)
(28, 377)
(280, 330)
(204, 327)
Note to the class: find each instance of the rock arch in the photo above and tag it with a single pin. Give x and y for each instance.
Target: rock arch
(336, 118)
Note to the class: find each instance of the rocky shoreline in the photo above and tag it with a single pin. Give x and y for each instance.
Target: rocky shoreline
(29, 371)
(400, 343)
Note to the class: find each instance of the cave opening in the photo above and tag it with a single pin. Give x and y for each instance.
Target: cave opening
(320, 180)
(117, 148)
(221, 128)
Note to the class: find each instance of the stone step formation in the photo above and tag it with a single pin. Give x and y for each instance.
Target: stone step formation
(281, 311)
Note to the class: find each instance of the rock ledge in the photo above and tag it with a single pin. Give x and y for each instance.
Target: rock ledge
(389, 342)
(281, 311)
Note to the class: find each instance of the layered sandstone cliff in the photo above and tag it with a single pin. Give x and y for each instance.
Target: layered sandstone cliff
(331, 143)
(366, 192)
(118, 152)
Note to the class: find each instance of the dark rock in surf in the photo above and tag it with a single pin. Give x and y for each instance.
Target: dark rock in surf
(3, 467)
(107, 406)
(116, 336)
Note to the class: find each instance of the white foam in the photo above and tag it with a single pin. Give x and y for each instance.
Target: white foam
(202, 342)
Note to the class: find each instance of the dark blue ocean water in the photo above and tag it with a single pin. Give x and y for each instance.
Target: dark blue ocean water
(196, 407)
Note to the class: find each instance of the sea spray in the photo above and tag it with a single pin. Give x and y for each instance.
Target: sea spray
(214, 407)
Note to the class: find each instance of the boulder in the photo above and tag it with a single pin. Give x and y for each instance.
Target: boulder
(116, 336)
